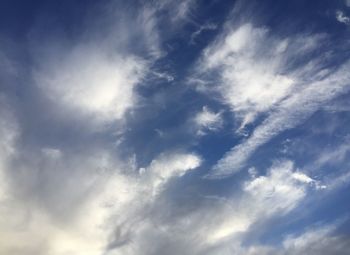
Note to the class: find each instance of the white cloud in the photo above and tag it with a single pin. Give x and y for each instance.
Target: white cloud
(280, 190)
(256, 75)
(302, 177)
(289, 113)
(167, 166)
(335, 155)
(9, 132)
(340, 16)
(106, 207)
(254, 68)
(208, 120)
(89, 81)
(276, 193)
(95, 76)
(163, 76)
(182, 10)
(178, 13)
(85, 198)
(251, 75)
(314, 241)
(201, 29)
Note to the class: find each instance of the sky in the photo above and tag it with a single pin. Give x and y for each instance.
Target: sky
(194, 127)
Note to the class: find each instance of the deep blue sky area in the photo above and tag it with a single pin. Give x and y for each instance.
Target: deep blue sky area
(174, 127)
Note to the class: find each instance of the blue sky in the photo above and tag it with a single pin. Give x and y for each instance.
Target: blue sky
(174, 127)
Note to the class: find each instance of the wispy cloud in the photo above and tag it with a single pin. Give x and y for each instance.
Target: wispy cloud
(207, 120)
(257, 78)
(289, 113)
(101, 137)
(201, 29)
(342, 18)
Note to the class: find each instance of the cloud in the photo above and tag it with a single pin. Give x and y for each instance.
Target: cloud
(92, 82)
(108, 208)
(219, 225)
(177, 14)
(218, 220)
(278, 192)
(206, 120)
(114, 211)
(201, 29)
(281, 189)
(255, 77)
(115, 214)
(95, 76)
(81, 194)
(167, 166)
(76, 178)
(340, 16)
(289, 113)
(250, 80)
(317, 240)
(181, 10)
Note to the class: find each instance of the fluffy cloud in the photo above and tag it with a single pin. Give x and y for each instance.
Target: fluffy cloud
(93, 82)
